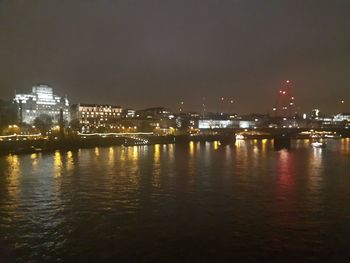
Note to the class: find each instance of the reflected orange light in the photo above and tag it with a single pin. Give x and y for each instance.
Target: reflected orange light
(264, 144)
(191, 149)
(97, 152)
(216, 145)
(111, 155)
(57, 164)
(135, 153)
(156, 166)
(34, 159)
(70, 161)
(156, 153)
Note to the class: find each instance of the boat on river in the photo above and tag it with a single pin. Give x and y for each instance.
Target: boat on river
(318, 144)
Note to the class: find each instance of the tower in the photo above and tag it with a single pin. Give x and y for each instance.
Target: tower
(285, 101)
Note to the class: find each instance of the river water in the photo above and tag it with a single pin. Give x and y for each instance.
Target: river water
(196, 202)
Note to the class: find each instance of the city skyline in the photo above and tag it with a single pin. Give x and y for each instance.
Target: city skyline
(283, 105)
(174, 131)
(143, 55)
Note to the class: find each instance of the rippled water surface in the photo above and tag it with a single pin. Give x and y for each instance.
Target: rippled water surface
(199, 202)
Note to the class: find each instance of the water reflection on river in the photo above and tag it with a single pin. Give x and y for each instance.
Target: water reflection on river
(198, 202)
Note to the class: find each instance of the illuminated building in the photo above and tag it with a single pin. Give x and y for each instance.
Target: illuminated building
(42, 101)
(341, 117)
(215, 124)
(129, 113)
(285, 101)
(94, 116)
(227, 124)
(156, 113)
(315, 114)
(158, 118)
(187, 120)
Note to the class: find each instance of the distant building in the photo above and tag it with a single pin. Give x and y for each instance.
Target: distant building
(159, 113)
(129, 113)
(215, 124)
(246, 124)
(94, 116)
(316, 114)
(226, 124)
(342, 117)
(253, 120)
(42, 101)
(187, 120)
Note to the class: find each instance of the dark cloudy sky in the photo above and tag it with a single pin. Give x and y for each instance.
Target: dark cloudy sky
(140, 53)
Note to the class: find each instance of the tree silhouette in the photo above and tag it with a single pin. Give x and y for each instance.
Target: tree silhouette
(75, 125)
(43, 123)
(8, 114)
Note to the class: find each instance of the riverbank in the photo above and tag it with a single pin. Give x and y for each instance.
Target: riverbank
(28, 146)
(49, 145)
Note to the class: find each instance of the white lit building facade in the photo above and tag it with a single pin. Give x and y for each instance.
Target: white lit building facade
(342, 117)
(94, 116)
(226, 124)
(42, 101)
(215, 124)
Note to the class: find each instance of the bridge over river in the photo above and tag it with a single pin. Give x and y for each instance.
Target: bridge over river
(282, 138)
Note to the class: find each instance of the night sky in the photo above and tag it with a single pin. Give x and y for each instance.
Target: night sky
(139, 54)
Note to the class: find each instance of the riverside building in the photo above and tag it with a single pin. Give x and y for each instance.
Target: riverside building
(94, 116)
(40, 101)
